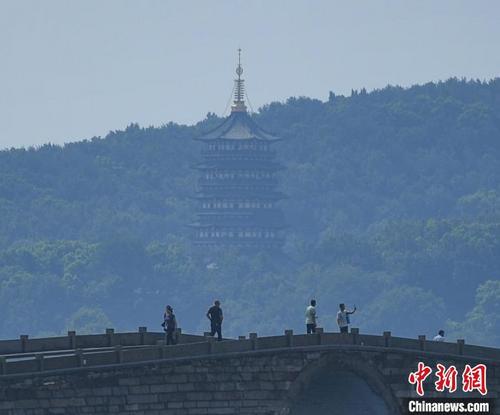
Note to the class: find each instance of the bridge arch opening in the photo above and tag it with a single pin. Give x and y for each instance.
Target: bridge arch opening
(341, 385)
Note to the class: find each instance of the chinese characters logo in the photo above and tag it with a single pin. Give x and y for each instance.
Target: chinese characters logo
(473, 378)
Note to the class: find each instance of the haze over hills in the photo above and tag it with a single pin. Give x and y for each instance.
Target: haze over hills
(394, 205)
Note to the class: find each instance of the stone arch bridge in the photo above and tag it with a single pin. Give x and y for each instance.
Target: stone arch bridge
(135, 373)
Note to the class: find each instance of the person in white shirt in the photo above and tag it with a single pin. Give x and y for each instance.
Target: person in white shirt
(440, 336)
(343, 318)
(311, 318)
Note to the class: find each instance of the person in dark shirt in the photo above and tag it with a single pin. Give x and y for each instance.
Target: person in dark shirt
(169, 325)
(214, 314)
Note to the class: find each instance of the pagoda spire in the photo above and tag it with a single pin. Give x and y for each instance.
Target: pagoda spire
(239, 89)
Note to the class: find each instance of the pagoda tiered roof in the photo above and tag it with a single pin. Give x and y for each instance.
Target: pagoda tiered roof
(240, 194)
(239, 165)
(238, 126)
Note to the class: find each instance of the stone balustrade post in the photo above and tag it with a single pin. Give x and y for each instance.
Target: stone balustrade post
(3, 366)
(23, 339)
(460, 346)
(355, 335)
(40, 362)
(253, 338)
(80, 361)
(289, 338)
(319, 334)
(142, 334)
(72, 339)
(421, 341)
(119, 353)
(110, 333)
(387, 338)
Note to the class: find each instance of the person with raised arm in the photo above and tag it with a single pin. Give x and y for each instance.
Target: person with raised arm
(343, 319)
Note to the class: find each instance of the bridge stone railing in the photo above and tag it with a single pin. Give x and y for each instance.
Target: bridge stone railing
(92, 351)
(142, 337)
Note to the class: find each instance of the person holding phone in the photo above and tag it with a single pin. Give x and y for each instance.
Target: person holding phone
(169, 325)
(343, 319)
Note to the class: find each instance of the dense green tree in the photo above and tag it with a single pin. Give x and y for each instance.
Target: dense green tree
(482, 324)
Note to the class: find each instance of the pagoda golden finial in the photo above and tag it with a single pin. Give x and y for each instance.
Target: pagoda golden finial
(239, 90)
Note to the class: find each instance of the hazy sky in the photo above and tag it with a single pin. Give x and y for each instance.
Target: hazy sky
(74, 69)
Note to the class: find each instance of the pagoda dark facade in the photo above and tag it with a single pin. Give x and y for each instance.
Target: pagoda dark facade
(237, 189)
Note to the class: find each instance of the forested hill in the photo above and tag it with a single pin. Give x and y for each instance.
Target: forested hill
(394, 204)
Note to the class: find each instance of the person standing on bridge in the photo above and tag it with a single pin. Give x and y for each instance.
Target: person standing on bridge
(214, 314)
(311, 318)
(440, 336)
(343, 318)
(169, 325)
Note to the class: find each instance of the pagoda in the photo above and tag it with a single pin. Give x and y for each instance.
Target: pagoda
(237, 188)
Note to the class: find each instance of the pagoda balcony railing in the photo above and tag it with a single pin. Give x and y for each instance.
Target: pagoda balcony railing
(242, 157)
(238, 153)
(239, 165)
(271, 220)
(239, 193)
(236, 237)
(202, 181)
(240, 189)
(255, 227)
(250, 217)
(224, 223)
(231, 185)
(240, 242)
(236, 210)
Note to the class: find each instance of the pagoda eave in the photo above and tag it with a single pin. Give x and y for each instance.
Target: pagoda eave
(264, 166)
(236, 196)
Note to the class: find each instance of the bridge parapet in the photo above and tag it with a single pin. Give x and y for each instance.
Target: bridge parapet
(251, 375)
(92, 351)
(87, 341)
